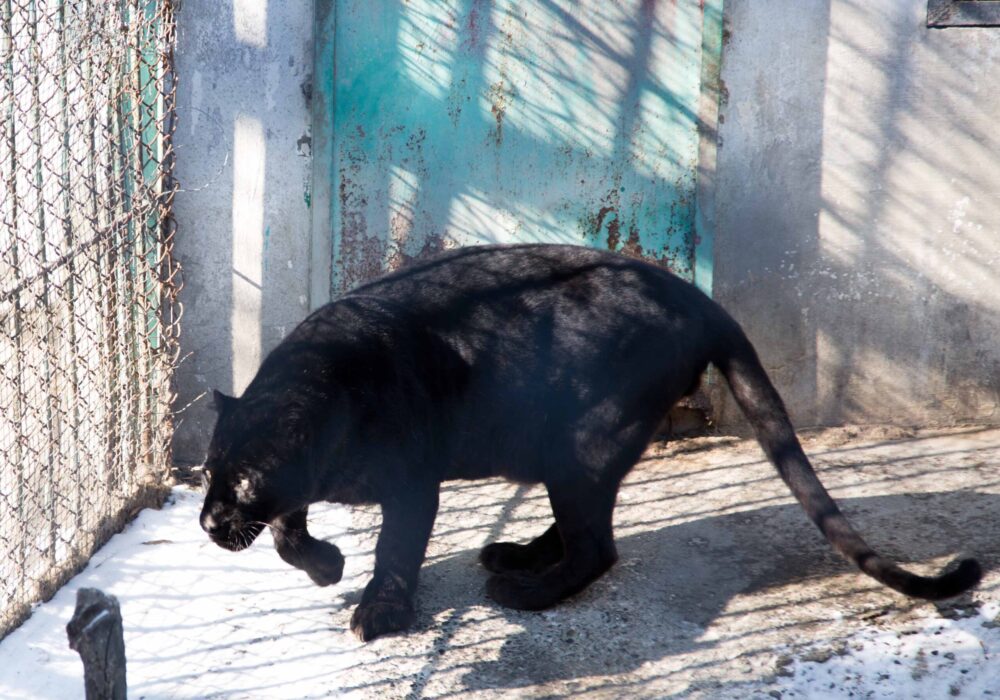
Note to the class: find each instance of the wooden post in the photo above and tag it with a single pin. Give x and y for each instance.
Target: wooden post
(95, 632)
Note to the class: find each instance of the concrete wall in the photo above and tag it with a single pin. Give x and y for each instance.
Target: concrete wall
(858, 199)
(243, 213)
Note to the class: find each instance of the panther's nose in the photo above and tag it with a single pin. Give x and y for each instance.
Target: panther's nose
(209, 524)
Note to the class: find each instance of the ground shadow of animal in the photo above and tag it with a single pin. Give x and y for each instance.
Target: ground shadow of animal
(674, 581)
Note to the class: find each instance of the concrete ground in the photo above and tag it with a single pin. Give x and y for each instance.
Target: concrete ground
(722, 582)
(723, 590)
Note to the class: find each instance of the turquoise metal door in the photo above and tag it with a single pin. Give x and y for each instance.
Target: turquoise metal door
(443, 123)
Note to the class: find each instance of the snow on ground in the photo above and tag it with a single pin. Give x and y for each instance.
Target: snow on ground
(925, 658)
(722, 590)
(200, 622)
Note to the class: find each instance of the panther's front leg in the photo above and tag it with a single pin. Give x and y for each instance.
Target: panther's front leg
(320, 559)
(407, 519)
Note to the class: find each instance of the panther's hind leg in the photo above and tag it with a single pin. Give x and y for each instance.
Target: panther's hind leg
(538, 555)
(320, 559)
(583, 512)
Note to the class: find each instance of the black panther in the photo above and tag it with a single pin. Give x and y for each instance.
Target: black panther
(539, 363)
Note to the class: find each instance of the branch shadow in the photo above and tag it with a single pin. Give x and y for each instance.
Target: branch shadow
(675, 582)
(861, 172)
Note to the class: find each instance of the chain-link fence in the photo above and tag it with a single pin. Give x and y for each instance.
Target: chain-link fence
(88, 317)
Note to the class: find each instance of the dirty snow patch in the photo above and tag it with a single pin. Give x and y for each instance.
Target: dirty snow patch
(923, 658)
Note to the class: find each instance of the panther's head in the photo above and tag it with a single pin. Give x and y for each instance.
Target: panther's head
(248, 475)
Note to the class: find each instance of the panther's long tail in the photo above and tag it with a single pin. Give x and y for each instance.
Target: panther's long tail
(759, 401)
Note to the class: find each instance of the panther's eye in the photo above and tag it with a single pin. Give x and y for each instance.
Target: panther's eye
(206, 479)
(243, 490)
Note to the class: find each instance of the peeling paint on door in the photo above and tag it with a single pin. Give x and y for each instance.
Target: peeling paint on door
(457, 122)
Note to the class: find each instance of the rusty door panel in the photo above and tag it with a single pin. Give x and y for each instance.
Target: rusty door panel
(444, 123)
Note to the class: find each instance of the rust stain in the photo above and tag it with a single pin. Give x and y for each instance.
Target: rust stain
(401, 223)
(632, 246)
(402, 213)
(608, 224)
(432, 245)
(498, 114)
(590, 224)
(614, 234)
(498, 105)
(474, 29)
(415, 158)
(415, 141)
(360, 254)
(593, 225)
(599, 219)
(473, 25)
(456, 97)
(501, 93)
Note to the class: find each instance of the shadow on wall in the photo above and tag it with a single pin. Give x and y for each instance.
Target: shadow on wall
(243, 216)
(857, 157)
(909, 223)
(483, 122)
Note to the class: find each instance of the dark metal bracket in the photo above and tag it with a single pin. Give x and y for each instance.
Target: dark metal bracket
(963, 13)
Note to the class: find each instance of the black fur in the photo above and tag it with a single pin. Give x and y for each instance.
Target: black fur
(550, 364)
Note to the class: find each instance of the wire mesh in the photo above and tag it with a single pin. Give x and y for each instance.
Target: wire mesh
(88, 312)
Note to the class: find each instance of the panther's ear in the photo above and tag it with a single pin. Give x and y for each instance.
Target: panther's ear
(222, 402)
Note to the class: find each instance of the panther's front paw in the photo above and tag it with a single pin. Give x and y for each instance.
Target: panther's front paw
(325, 563)
(501, 557)
(380, 617)
(521, 591)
